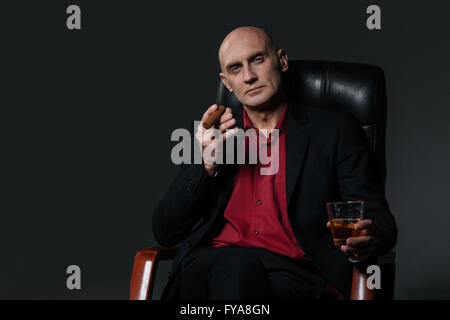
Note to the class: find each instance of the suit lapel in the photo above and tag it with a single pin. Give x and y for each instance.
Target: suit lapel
(296, 145)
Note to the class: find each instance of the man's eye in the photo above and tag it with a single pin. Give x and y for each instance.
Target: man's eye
(259, 59)
(234, 68)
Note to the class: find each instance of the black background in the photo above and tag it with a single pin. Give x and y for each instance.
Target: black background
(86, 118)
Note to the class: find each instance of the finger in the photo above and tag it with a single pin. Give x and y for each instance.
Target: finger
(358, 242)
(352, 251)
(227, 125)
(226, 116)
(208, 112)
(328, 224)
(347, 249)
(365, 224)
(368, 232)
(360, 253)
(361, 242)
(229, 133)
(210, 135)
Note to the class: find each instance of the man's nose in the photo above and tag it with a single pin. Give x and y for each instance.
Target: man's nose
(249, 75)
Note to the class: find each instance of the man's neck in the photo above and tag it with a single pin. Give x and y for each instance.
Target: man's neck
(267, 118)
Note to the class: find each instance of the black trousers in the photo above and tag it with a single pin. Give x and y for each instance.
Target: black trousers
(236, 273)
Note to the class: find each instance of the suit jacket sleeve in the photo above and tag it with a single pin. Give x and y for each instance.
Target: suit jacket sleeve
(358, 179)
(184, 204)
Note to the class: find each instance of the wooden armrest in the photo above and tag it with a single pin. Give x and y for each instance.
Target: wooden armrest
(360, 291)
(144, 271)
(146, 261)
(359, 287)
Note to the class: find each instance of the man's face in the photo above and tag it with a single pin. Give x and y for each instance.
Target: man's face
(251, 68)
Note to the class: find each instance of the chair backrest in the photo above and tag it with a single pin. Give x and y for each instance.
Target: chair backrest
(358, 88)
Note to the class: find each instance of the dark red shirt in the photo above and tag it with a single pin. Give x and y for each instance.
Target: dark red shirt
(256, 214)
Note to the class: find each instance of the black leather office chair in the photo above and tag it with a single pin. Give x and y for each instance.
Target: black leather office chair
(358, 88)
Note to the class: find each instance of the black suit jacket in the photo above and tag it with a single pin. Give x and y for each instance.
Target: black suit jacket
(327, 160)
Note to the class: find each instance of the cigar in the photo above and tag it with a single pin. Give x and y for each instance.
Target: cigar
(214, 117)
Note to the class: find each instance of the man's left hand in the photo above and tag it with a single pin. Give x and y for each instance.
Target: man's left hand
(361, 247)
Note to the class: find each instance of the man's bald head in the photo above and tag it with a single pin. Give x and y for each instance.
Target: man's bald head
(252, 67)
(245, 33)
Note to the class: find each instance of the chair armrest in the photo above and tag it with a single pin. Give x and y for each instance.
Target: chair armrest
(360, 291)
(144, 271)
(359, 287)
(146, 261)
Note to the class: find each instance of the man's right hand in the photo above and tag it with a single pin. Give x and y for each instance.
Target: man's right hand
(204, 136)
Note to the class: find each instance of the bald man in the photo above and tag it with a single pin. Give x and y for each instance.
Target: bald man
(245, 235)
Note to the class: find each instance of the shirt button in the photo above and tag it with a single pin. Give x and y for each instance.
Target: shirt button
(256, 232)
(259, 202)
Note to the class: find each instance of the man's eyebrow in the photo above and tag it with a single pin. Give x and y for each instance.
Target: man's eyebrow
(231, 64)
(253, 56)
(261, 53)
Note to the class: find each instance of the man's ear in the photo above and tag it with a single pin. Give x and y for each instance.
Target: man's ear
(283, 59)
(225, 82)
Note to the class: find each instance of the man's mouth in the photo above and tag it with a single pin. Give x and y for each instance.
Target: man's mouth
(254, 89)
